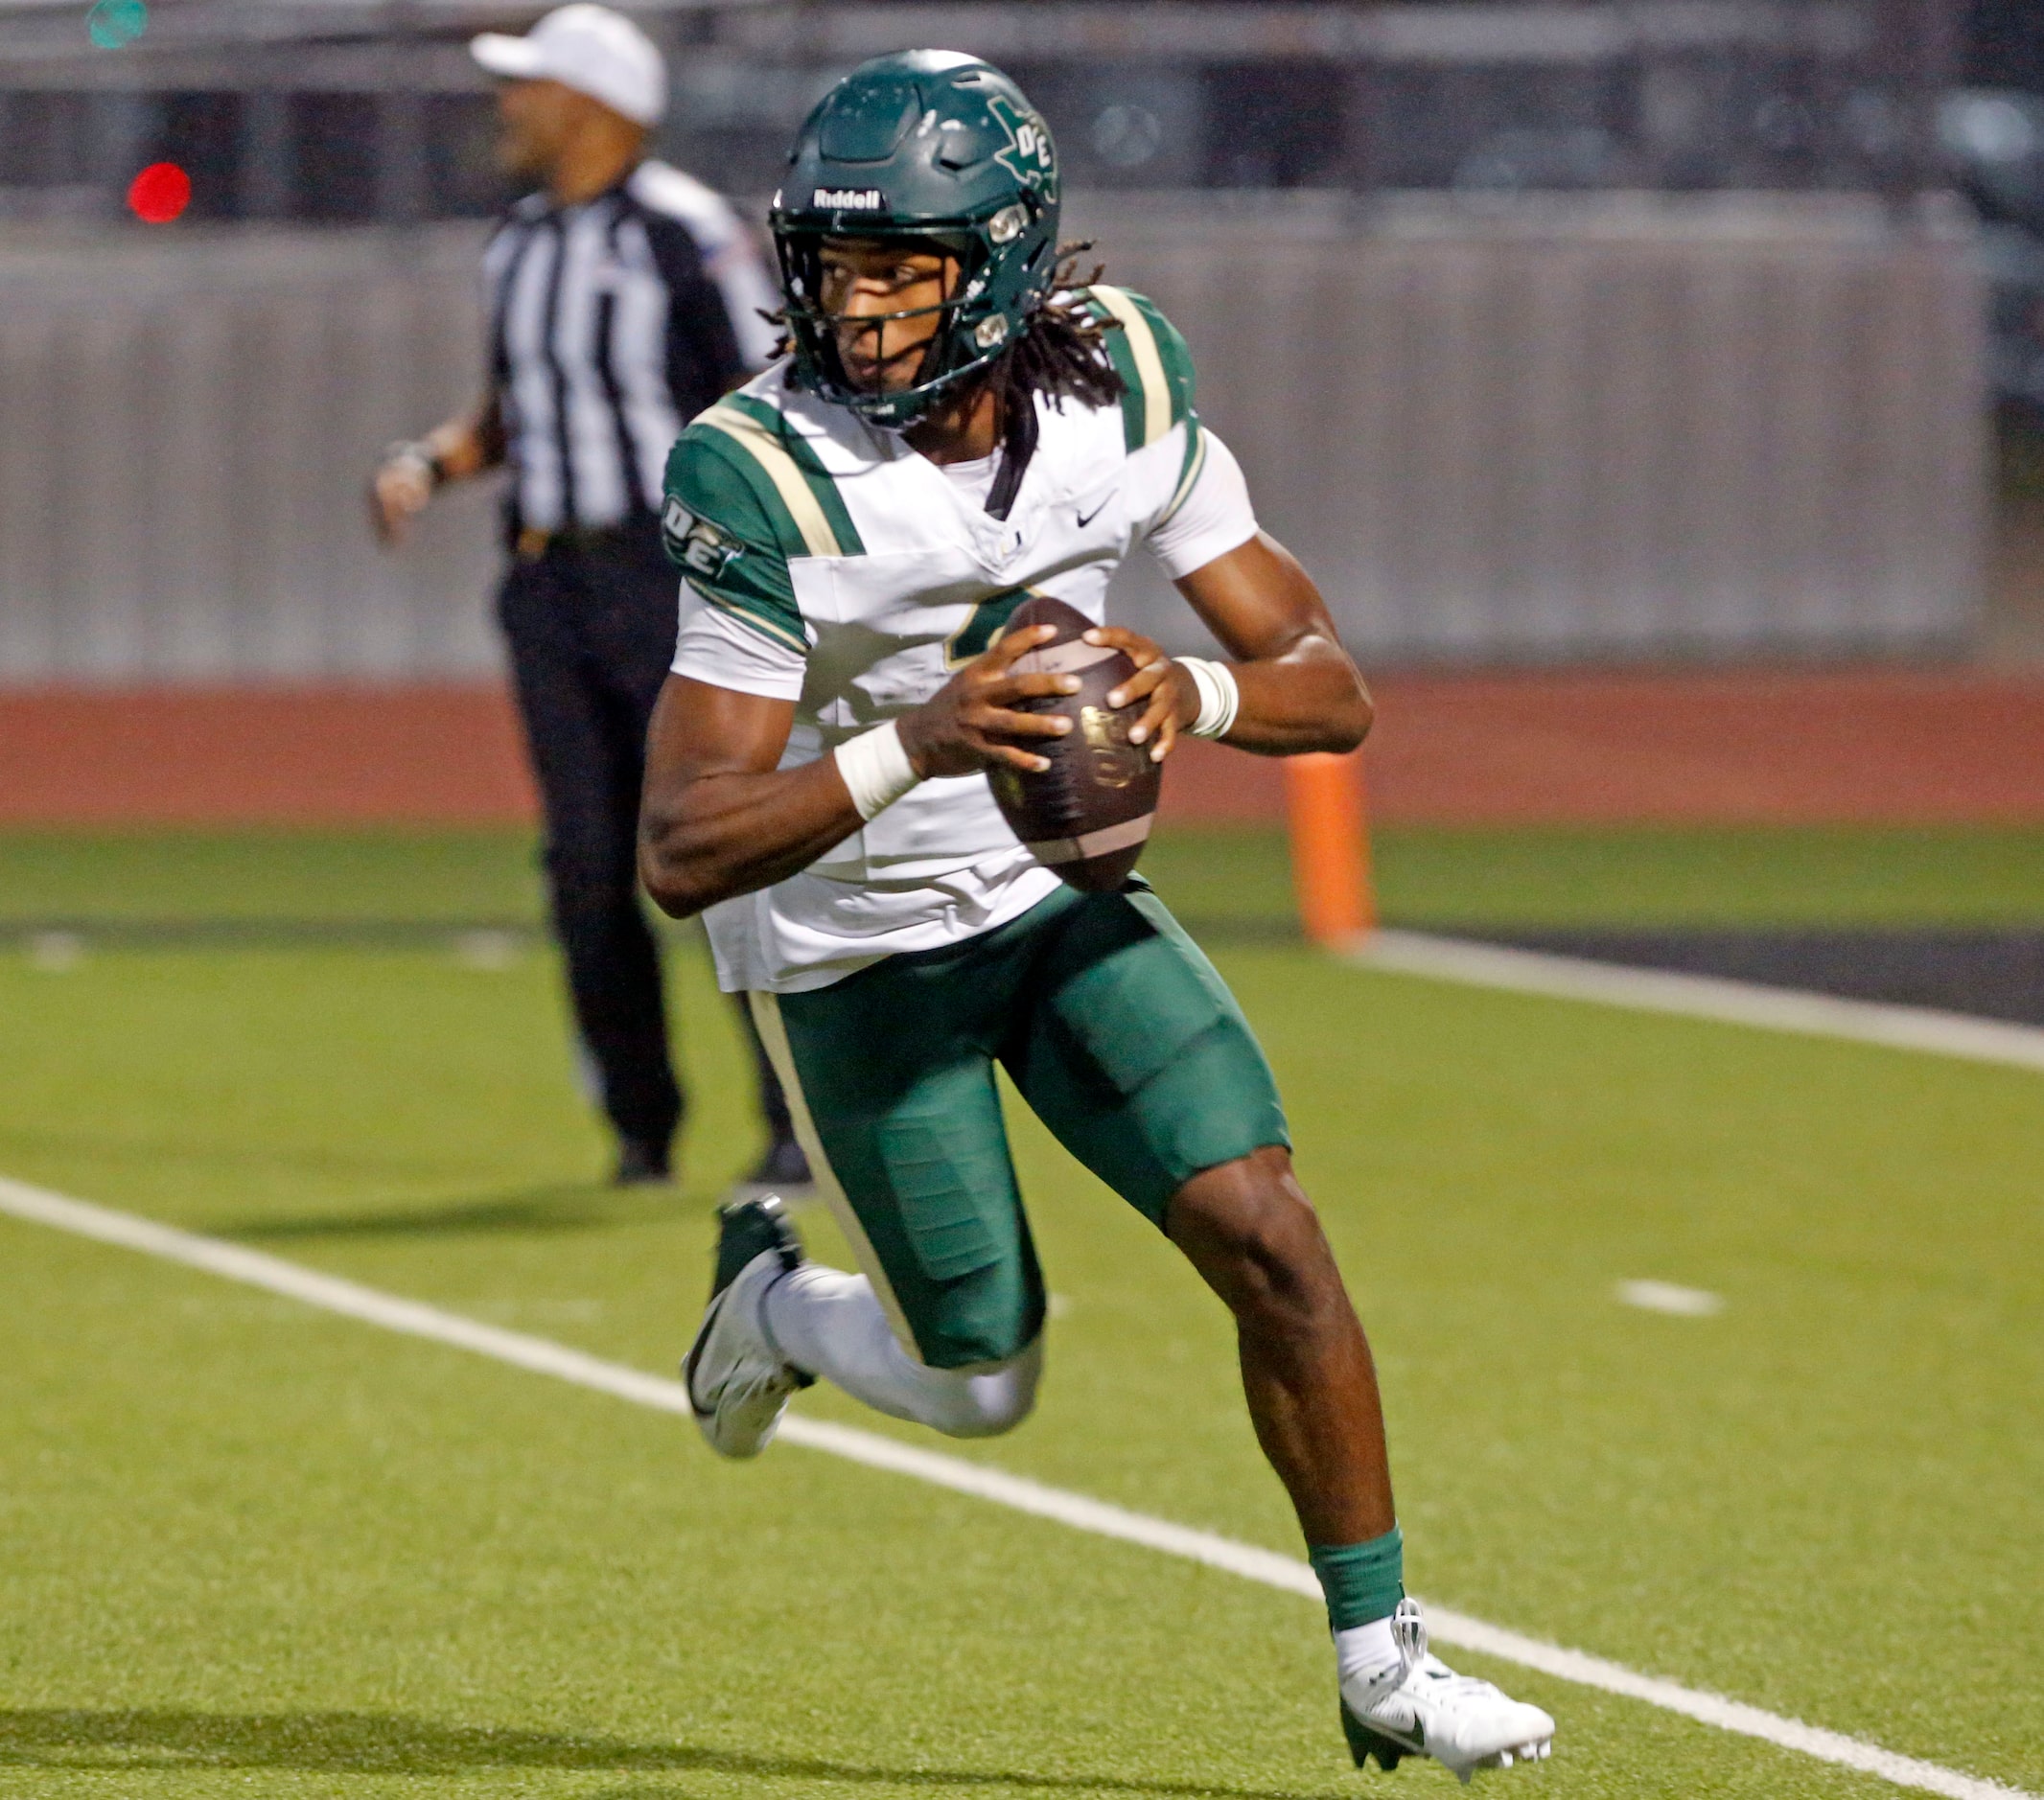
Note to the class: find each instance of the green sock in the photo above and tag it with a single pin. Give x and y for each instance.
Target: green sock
(1361, 1581)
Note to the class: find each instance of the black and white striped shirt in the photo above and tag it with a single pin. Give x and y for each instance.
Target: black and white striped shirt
(612, 324)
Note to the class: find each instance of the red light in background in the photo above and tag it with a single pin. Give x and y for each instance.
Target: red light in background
(159, 193)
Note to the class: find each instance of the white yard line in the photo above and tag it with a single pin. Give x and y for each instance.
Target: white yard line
(1684, 1302)
(38, 1206)
(1700, 997)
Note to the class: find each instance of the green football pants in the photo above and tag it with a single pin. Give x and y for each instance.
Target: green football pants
(1115, 1028)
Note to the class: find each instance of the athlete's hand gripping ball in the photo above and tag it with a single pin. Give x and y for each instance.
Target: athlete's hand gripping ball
(1082, 800)
(975, 721)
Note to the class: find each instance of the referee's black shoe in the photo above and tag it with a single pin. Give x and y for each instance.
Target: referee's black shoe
(640, 1164)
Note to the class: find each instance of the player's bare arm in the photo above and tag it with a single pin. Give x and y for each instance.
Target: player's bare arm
(457, 449)
(1300, 691)
(720, 817)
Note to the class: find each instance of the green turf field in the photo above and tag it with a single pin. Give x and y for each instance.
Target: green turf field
(1229, 876)
(247, 1547)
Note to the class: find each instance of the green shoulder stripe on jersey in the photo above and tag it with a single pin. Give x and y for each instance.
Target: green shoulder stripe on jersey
(726, 528)
(1189, 469)
(800, 480)
(1155, 367)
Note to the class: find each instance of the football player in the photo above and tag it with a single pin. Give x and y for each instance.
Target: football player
(954, 425)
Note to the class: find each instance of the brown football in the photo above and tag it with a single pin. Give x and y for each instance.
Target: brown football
(1088, 815)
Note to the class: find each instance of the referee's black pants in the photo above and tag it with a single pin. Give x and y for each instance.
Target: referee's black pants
(591, 624)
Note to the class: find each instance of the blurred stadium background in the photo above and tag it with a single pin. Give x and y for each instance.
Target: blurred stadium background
(1655, 386)
(1693, 349)
(1639, 332)
(1581, 331)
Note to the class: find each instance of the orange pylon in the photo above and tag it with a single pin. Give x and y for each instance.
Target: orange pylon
(1331, 847)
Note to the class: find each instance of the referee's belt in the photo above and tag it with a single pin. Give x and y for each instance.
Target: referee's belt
(532, 544)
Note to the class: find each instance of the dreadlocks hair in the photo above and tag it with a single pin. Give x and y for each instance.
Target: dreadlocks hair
(1061, 353)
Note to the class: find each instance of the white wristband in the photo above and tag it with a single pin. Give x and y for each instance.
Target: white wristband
(1220, 697)
(876, 769)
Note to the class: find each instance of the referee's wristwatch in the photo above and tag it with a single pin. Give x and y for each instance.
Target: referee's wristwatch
(418, 456)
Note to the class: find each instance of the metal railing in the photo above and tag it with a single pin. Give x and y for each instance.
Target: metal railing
(279, 106)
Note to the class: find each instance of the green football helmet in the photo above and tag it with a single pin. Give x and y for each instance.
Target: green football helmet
(942, 149)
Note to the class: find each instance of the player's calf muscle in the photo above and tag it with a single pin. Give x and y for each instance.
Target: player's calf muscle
(1251, 1232)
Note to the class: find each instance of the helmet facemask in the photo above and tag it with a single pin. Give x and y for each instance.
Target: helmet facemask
(972, 330)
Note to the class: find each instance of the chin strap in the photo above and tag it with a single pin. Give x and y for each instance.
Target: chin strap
(1018, 445)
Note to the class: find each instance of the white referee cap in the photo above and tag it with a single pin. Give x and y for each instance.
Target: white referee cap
(591, 48)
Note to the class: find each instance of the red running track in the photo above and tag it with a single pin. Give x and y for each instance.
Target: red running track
(1778, 747)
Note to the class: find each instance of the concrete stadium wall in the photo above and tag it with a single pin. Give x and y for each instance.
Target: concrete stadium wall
(1629, 427)
(1603, 428)
(187, 424)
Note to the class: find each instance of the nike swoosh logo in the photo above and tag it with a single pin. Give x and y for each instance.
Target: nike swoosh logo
(1413, 1738)
(1413, 1735)
(1086, 518)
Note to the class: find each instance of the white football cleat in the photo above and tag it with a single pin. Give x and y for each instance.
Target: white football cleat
(738, 1385)
(1423, 1708)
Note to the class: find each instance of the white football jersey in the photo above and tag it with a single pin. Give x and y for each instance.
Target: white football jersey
(827, 562)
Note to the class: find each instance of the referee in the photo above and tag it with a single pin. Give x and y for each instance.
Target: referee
(624, 298)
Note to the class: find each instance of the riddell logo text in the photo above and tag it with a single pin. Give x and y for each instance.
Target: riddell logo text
(849, 200)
